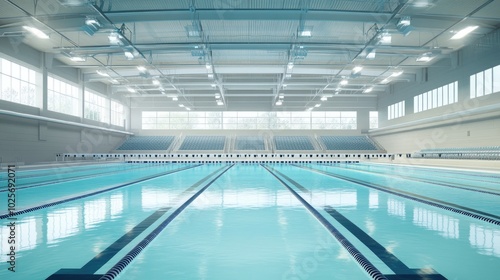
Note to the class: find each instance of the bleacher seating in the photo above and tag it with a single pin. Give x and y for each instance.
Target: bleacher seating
(293, 143)
(486, 153)
(348, 143)
(203, 143)
(247, 143)
(155, 143)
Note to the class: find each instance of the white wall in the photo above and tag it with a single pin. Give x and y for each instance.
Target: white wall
(30, 141)
(457, 125)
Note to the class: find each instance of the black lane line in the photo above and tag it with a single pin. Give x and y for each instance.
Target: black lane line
(360, 259)
(439, 183)
(387, 257)
(50, 182)
(128, 258)
(470, 212)
(103, 257)
(397, 266)
(27, 210)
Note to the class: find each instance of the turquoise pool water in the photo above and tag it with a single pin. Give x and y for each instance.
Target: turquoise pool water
(250, 221)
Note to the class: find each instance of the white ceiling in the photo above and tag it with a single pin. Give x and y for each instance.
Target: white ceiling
(249, 44)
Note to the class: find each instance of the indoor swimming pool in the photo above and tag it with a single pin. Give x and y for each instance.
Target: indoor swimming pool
(250, 221)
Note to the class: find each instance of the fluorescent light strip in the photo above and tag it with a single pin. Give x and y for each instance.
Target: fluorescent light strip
(464, 32)
(37, 32)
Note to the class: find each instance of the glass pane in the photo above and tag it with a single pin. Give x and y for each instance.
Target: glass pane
(496, 79)
(472, 86)
(480, 84)
(148, 114)
(488, 81)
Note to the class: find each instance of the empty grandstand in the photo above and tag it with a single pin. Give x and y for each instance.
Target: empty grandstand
(142, 143)
(345, 143)
(203, 143)
(293, 143)
(249, 143)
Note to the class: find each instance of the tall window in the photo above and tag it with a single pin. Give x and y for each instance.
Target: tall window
(396, 110)
(96, 107)
(117, 113)
(485, 82)
(437, 97)
(249, 120)
(373, 119)
(63, 97)
(17, 83)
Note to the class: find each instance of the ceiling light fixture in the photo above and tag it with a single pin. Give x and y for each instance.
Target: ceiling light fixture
(102, 73)
(181, 105)
(357, 69)
(129, 55)
(426, 57)
(210, 76)
(397, 73)
(290, 65)
(114, 81)
(208, 66)
(281, 96)
(317, 105)
(288, 76)
(279, 103)
(464, 32)
(217, 95)
(371, 55)
(187, 108)
(220, 102)
(175, 98)
(385, 81)
(132, 90)
(213, 85)
(156, 82)
(142, 68)
(78, 58)
(116, 38)
(368, 90)
(324, 98)
(37, 32)
(344, 82)
(404, 25)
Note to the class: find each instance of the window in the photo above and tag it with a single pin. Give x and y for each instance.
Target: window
(435, 98)
(96, 107)
(249, 120)
(117, 114)
(373, 119)
(63, 97)
(485, 82)
(17, 83)
(396, 110)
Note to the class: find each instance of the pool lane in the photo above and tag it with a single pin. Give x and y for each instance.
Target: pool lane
(246, 226)
(444, 178)
(471, 203)
(33, 197)
(70, 234)
(47, 180)
(421, 236)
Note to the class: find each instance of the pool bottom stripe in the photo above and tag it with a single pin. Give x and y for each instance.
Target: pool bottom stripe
(103, 257)
(466, 211)
(120, 266)
(360, 259)
(402, 271)
(31, 209)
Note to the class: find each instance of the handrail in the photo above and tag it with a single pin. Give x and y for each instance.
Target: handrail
(46, 119)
